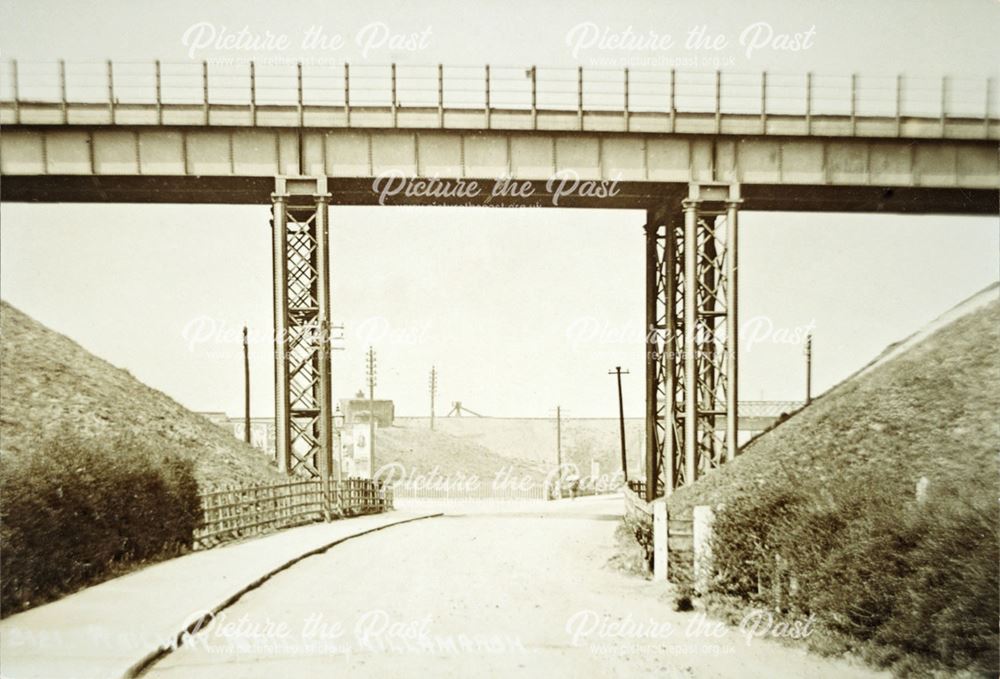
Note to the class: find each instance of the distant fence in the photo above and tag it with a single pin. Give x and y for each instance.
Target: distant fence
(252, 510)
(483, 491)
(536, 490)
(572, 487)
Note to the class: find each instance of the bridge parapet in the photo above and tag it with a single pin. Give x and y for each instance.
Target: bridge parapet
(768, 408)
(515, 98)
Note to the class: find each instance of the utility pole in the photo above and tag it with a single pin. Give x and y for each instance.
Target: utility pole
(559, 437)
(434, 387)
(621, 417)
(809, 367)
(370, 365)
(246, 386)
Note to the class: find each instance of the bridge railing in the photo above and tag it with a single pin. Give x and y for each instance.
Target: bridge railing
(768, 408)
(496, 88)
(242, 511)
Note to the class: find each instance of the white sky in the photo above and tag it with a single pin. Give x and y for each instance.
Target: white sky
(487, 295)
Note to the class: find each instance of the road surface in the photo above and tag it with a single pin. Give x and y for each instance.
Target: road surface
(525, 591)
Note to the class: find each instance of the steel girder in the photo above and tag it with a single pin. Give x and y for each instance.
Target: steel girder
(691, 343)
(303, 398)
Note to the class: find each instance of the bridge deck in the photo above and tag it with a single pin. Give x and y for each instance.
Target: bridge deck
(513, 119)
(819, 148)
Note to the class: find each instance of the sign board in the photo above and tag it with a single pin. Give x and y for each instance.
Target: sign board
(361, 461)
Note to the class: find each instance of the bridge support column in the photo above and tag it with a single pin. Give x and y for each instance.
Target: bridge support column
(664, 240)
(691, 346)
(303, 396)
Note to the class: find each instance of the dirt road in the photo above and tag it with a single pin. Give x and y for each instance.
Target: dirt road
(523, 592)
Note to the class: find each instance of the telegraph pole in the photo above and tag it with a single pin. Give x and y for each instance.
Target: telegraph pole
(246, 387)
(559, 437)
(809, 367)
(370, 365)
(621, 417)
(433, 387)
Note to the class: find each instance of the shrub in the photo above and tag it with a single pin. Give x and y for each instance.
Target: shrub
(748, 537)
(640, 527)
(878, 568)
(947, 605)
(630, 556)
(80, 510)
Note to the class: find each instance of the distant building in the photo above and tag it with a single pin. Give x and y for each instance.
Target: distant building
(262, 430)
(219, 418)
(356, 410)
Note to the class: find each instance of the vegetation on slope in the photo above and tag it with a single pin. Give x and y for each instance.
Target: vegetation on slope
(822, 515)
(418, 453)
(99, 473)
(534, 438)
(88, 509)
(52, 384)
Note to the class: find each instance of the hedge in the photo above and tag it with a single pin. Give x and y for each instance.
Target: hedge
(902, 579)
(82, 509)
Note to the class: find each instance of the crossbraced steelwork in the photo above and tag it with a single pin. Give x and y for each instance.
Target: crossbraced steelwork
(691, 361)
(303, 416)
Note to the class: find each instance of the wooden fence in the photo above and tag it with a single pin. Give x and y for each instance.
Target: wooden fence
(679, 551)
(243, 511)
(635, 506)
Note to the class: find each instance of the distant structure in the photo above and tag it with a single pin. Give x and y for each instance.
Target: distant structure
(217, 417)
(756, 417)
(261, 429)
(357, 410)
(457, 410)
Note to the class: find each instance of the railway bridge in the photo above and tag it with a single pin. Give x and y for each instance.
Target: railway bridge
(692, 150)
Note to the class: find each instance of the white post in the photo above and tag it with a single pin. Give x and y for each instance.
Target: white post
(704, 517)
(778, 583)
(922, 484)
(660, 550)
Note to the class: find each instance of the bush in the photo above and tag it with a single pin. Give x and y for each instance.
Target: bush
(947, 605)
(80, 510)
(747, 538)
(631, 554)
(641, 529)
(895, 577)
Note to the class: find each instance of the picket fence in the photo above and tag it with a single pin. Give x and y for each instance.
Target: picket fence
(243, 511)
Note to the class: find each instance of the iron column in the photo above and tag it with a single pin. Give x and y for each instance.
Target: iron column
(325, 424)
(302, 327)
(690, 337)
(652, 353)
(732, 323)
(670, 359)
(246, 387)
(281, 405)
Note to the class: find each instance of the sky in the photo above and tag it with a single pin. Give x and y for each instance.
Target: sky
(520, 310)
